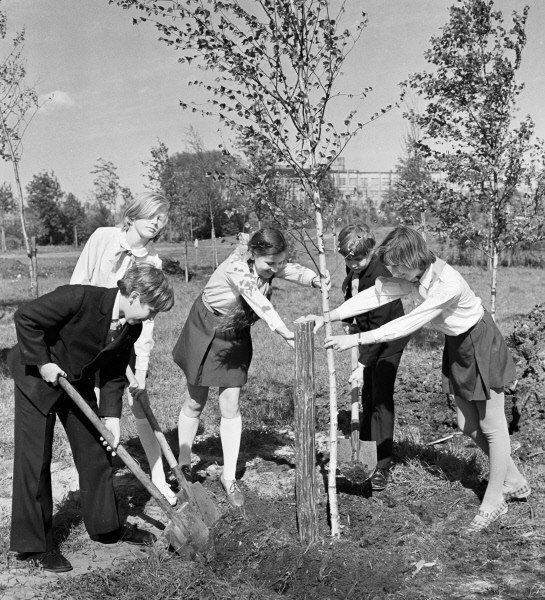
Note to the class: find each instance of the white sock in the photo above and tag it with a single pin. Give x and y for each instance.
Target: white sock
(153, 454)
(230, 432)
(187, 430)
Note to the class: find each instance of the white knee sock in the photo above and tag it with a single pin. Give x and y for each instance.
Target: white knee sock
(187, 430)
(230, 432)
(153, 454)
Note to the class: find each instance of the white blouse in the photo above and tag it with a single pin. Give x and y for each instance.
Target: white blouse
(234, 278)
(442, 297)
(103, 261)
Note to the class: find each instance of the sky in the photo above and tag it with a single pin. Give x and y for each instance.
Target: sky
(113, 89)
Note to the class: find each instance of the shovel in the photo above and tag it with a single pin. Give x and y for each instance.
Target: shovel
(185, 532)
(356, 459)
(194, 493)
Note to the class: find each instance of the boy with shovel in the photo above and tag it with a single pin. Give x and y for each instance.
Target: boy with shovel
(377, 363)
(74, 332)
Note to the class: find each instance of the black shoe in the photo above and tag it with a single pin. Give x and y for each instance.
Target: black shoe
(379, 479)
(186, 472)
(52, 561)
(127, 533)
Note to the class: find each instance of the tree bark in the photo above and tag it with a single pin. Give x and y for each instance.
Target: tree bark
(304, 419)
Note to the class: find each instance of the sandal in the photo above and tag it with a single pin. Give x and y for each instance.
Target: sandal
(484, 519)
(520, 493)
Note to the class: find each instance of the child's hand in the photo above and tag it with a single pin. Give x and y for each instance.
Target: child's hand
(51, 372)
(288, 335)
(357, 375)
(341, 342)
(318, 321)
(112, 424)
(317, 282)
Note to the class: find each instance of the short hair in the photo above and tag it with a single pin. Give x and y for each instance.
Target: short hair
(356, 241)
(150, 283)
(144, 206)
(405, 246)
(267, 241)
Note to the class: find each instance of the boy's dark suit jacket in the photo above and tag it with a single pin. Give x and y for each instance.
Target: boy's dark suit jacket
(69, 327)
(377, 317)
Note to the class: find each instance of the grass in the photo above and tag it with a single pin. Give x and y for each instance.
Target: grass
(422, 474)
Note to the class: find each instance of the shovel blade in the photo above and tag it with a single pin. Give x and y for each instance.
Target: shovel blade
(187, 534)
(356, 463)
(200, 500)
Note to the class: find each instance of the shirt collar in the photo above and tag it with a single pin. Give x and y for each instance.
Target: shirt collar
(432, 273)
(138, 252)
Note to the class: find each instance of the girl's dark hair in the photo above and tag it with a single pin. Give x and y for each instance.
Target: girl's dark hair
(405, 246)
(267, 241)
(356, 241)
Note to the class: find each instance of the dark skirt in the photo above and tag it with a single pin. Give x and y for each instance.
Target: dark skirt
(211, 357)
(477, 361)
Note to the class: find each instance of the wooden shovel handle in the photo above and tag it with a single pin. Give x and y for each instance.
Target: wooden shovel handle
(355, 406)
(120, 450)
(165, 448)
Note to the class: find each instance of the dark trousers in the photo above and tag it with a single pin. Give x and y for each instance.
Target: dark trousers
(32, 508)
(378, 406)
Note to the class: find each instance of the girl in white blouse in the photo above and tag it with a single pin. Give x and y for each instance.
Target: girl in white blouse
(215, 346)
(107, 255)
(476, 362)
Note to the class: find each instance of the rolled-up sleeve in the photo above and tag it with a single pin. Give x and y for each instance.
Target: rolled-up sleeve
(297, 274)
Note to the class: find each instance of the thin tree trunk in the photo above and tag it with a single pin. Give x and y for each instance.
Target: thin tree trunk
(186, 262)
(3, 239)
(213, 234)
(423, 225)
(494, 283)
(30, 251)
(333, 424)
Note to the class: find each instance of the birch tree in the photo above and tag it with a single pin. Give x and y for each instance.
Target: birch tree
(276, 67)
(18, 104)
(493, 187)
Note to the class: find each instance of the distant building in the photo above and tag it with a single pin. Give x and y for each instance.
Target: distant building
(363, 186)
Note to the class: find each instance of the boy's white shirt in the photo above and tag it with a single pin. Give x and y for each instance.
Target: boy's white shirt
(234, 278)
(103, 261)
(442, 297)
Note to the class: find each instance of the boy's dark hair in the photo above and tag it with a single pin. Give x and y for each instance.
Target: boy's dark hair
(267, 241)
(151, 284)
(405, 246)
(356, 241)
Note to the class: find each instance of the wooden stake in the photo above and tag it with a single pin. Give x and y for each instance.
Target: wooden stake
(305, 455)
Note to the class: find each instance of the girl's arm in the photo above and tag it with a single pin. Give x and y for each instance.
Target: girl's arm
(245, 283)
(403, 326)
(298, 274)
(385, 290)
(83, 271)
(142, 348)
(145, 343)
